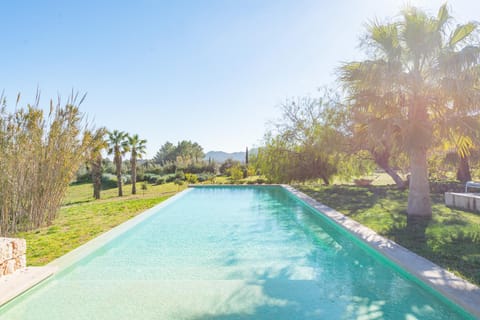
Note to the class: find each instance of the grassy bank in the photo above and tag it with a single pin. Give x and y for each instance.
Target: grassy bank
(451, 239)
(82, 218)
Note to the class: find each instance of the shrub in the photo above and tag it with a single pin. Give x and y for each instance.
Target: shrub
(228, 164)
(160, 180)
(260, 181)
(236, 173)
(169, 177)
(180, 175)
(140, 175)
(191, 178)
(202, 177)
(126, 178)
(446, 186)
(83, 175)
(150, 177)
(178, 182)
(109, 181)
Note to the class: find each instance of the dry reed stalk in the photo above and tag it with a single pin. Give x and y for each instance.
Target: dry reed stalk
(39, 156)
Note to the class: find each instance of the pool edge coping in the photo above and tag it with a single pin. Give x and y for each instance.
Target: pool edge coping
(15, 284)
(83, 250)
(460, 291)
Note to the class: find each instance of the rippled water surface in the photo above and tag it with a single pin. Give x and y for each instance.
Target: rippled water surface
(231, 253)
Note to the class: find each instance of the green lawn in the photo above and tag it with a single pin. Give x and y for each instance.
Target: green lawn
(82, 218)
(451, 239)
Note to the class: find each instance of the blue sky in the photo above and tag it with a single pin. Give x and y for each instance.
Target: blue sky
(209, 71)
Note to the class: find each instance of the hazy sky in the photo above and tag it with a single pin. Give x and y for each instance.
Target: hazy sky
(209, 71)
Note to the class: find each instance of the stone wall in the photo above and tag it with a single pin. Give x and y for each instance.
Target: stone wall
(12, 255)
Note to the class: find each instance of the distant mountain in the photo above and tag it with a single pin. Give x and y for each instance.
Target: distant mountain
(220, 156)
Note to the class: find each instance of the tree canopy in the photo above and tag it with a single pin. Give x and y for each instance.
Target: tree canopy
(184, 150)
(420, 78)
(308, 142)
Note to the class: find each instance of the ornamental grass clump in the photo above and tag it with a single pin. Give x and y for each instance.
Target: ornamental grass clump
(39, 155)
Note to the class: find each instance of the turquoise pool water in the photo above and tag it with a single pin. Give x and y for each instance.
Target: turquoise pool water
(231, 253)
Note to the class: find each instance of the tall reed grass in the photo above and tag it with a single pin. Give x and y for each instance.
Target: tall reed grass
(39, 155)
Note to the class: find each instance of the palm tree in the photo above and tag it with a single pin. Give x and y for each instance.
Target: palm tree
(398, 92)
(137, 148)
(118, 146)
(95, 159)
(461, 74)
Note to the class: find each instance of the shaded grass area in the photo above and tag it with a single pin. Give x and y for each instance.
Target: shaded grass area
(450, 239)
(82, 218)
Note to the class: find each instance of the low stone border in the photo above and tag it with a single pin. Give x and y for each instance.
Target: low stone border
(456, 289)
(16, 283)
(462, 200)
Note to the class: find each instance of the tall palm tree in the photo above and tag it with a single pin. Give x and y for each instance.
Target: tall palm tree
(137, 148)
(398, 91)
(118, 146)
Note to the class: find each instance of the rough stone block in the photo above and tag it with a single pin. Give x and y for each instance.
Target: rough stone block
(21, 262)
(3, 269)
(6, 251)
(19, 246)
(12, 255)
(10, 266)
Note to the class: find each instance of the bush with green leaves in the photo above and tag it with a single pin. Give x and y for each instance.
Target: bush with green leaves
(83, 175)
(170, 177)
(126, 178)
(180, 175)
(227, 164)
(235, 172)
(150, 177)
(202, 177)
(109, 181)
(191, 178)
(160, 180)
(178, 182)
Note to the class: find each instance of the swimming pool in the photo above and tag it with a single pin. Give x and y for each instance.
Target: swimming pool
(232, 253)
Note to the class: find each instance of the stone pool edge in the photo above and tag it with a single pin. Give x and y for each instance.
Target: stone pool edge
(460, 291)
(23, 280)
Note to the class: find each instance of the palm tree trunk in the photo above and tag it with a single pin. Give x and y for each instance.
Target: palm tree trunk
(134, 174)
(97, 176)
(419, 193)
(118, 164)
(463, 170)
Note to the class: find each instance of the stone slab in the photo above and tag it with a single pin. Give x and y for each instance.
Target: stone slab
(464, 201)
(21, 280)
